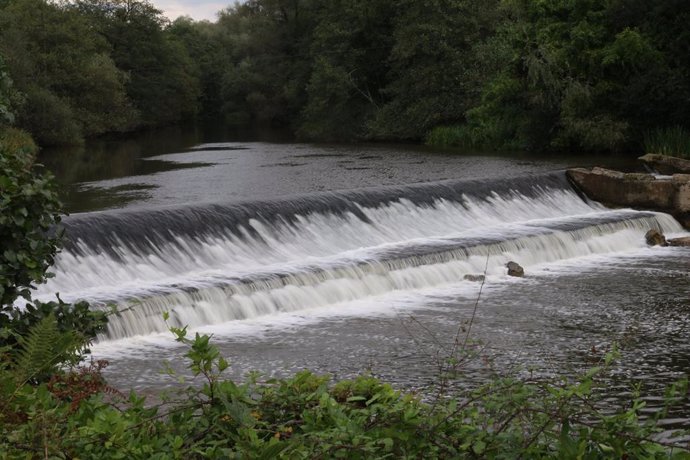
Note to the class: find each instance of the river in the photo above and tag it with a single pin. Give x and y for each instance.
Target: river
(346, 259)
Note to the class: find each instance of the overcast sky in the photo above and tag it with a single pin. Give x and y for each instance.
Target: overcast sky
(197, 9)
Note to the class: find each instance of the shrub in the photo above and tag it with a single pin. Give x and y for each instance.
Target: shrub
(29, 211)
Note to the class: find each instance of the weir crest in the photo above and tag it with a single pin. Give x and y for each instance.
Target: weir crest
(211, 263)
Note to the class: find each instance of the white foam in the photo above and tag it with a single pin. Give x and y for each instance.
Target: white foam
(326, 263)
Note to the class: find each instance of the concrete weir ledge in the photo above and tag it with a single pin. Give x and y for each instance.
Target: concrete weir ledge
(669, 193)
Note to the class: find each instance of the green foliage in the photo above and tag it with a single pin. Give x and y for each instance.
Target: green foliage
(9, 97)
(75, 323)
(49, 118)
(266, 69)
(673, 141)
(39, 336)
(434, 76)
(336, 109)
(39, 339)
(348, 49)
(206, 46)
(62, 65)
(29, 209)
(162, 81)
(93, 67)
(518, 74)
(305, 416)
(580, 75)
(102, 105)
(465, 137)
(42, 348)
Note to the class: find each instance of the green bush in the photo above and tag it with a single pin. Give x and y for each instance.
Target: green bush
(29, 213)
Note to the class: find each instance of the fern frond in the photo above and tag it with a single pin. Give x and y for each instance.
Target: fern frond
(42, 349)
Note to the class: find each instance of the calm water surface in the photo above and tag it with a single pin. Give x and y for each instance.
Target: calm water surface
(172, 166)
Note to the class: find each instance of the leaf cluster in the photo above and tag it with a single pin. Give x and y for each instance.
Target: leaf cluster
(29, 211)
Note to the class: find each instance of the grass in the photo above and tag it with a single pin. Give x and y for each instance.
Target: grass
(672, 141)
(463, 136)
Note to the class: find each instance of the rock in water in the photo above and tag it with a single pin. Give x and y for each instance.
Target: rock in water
(514, 269)
(655, 238)
(477, 278)
(666, 164)
(684, 241)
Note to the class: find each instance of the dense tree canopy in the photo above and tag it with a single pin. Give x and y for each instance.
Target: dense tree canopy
(586, 74)
(529, 74)
(72, 88)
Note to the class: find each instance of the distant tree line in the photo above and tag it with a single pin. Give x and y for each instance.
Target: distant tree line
(589, 75)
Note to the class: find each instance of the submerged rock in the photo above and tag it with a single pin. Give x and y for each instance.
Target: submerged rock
(655, 238)
(514, 269)
(665, 164)
(476, 278)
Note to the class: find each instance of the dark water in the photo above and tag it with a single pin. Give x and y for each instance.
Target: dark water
(184, 213)
(171, 166)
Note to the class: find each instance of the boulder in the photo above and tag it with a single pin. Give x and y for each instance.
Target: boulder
(476, 278)
(665, 164)
(514, 269)
(683, 241)
(655, 238)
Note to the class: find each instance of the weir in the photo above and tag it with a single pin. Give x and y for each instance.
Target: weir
(211, 263)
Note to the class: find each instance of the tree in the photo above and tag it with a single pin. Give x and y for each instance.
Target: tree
(433, 78)
(205, 46)
(56, 58)
(267, 42)
(349, 51)
(162, 80)
(583, 74)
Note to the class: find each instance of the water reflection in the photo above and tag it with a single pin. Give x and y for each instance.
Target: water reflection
(107, 158)
(113, 172)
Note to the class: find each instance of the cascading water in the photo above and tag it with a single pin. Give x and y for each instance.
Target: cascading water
(209, 264)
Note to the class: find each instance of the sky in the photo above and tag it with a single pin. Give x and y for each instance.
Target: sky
(197, 9)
